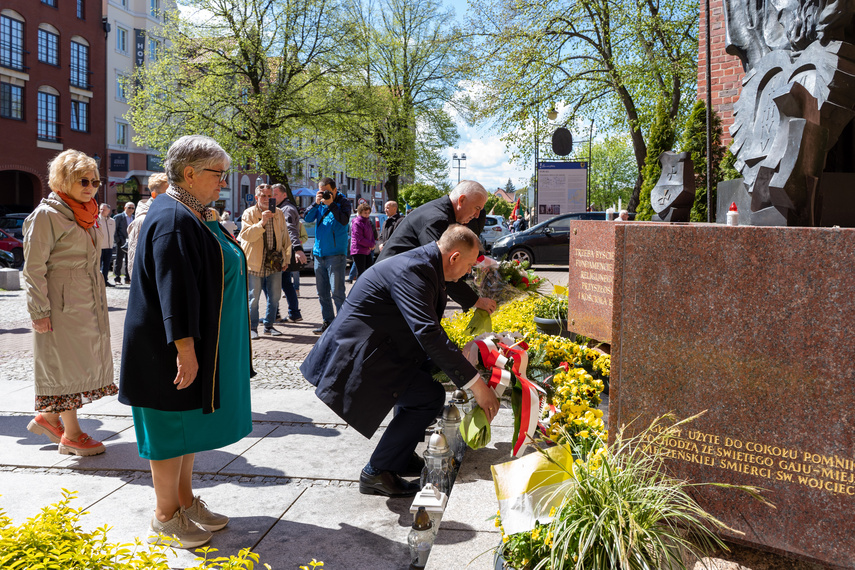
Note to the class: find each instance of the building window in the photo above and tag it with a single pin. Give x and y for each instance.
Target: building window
(80, 13)
(11, 101)
(48, 121)
(122, 134)
(79, 65)
(79, 116)
(49, 2)
(121, 95)
(153, 49)
(48, 47)
(11, 43)
(122, 40)
(154, 8)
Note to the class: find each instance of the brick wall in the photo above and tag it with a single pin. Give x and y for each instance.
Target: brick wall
(726, 69)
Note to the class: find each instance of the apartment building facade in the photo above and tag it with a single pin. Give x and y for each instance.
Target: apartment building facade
(52, 92)
(134, 40)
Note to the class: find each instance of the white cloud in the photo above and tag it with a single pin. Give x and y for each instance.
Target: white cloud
(487, 159)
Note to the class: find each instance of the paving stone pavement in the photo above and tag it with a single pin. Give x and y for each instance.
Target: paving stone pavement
(291, 486)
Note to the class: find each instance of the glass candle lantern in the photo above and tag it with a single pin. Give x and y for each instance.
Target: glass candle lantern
(461, 399)
(420, 539)
(439, 464)
(451, 431)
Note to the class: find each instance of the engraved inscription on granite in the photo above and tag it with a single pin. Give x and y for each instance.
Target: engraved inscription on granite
(753, 326)
(590, 283)
(830, 474)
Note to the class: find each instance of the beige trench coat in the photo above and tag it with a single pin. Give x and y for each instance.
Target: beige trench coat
(63, 282)
(251, 233)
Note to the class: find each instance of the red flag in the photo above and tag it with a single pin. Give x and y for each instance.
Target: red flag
(516, 209)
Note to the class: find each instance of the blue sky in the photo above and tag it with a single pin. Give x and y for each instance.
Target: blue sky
(487, 160)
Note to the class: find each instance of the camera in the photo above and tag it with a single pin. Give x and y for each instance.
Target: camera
(326, 195)
(271, 205)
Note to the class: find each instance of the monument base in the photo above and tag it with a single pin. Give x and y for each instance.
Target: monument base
(752, 325)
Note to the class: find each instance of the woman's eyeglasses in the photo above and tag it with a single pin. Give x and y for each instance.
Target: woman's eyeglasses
(86, 182)
(223, 173)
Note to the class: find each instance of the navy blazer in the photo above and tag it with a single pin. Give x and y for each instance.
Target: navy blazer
(122, 223)
(388, 326)
(176, 292)
(425, 225)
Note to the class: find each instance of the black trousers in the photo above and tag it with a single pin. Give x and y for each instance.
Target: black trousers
(106, 262)
(362, 262)
(416, 408)
(121, 263)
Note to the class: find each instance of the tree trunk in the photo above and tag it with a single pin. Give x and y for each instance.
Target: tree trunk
(636, 194)
(277, 176)
(391, 186)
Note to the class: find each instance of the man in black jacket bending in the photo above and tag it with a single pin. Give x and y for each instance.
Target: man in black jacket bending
(428, 222)
(379, 352)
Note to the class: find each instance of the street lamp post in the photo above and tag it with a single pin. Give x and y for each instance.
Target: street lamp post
(459, 167)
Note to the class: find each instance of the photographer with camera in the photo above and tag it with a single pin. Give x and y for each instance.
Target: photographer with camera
(265, 241)
(331, 214)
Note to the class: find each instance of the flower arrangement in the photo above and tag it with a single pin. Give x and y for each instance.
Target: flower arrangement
(552, 307)
(620, 509)
(503, 281)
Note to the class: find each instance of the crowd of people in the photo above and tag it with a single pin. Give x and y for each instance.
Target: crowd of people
(193, 312)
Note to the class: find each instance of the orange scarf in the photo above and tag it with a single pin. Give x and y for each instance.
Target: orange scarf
(84, 214)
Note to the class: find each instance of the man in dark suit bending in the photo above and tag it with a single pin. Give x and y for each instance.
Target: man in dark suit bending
(380, 351)
(464, 205)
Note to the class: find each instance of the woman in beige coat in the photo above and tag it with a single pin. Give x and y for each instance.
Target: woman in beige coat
(67, 302)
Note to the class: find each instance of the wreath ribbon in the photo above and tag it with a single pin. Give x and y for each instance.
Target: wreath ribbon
(495, 351)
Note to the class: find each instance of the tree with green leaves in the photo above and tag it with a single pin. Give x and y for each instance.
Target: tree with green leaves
(407, 60)
(694, 142)
(414, 195)
(498, 206)
(610, 60)
(612, 170)
(262, 77)
(661, 139)
(509, 187)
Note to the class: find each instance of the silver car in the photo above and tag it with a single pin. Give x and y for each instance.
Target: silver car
(495, 228)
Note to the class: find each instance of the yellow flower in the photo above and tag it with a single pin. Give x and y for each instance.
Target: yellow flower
(506, 538)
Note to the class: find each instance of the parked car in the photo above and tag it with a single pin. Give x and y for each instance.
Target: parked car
(6, 259)
(495, 228)
(545, 243)
(307, 247)
(13, 245)
(14, 224)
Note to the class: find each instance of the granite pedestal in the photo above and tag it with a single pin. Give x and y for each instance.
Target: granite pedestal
(753, 325)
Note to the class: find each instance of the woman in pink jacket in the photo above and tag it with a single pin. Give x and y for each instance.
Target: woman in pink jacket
(362, 239)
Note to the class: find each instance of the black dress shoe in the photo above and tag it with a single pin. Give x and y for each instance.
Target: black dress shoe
(320, 330)
(414, 466)
(108, 284)
(387, 484)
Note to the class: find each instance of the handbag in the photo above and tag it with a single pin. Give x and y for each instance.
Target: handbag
(273, 258)
(294, 265)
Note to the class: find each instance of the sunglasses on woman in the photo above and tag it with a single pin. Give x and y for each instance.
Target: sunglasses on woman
(86, 182)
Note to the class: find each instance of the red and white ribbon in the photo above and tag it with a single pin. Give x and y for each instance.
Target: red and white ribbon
(495, 351)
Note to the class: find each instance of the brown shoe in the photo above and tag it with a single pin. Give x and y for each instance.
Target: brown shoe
(83, 446)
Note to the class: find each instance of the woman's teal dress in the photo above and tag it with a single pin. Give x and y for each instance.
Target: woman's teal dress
(163, 435)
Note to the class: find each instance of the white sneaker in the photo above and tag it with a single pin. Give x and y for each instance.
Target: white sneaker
(179, 531)
(200, 514)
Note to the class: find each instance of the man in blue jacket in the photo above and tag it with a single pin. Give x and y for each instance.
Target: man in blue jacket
(331, 214)
(380, 352)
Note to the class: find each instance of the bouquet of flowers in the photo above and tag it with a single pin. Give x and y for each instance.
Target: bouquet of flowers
(503, 281)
